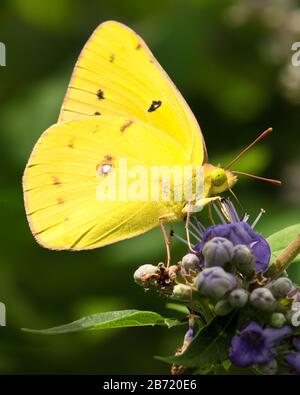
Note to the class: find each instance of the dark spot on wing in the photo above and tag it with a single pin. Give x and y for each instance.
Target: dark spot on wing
(126, 125)
(71, 144)
(56, 180)
(108, 158)
(138, 46)
(154, 105)
(100, 94)
(60, 201)
(151, 60)
(97, 113)
(112, 58)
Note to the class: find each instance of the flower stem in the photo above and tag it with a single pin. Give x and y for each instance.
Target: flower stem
(284, 259)
(202, 305)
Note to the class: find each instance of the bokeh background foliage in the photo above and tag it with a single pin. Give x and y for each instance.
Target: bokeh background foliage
(232, 62)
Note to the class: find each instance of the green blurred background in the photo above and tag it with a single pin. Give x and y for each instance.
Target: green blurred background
(232, 62)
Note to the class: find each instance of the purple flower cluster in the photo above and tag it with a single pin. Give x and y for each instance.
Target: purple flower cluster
(225, 272)
(239, 233)
(293, 357)
(255, 345)
(230, 257)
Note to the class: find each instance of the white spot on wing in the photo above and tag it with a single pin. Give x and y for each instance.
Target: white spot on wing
(104, 169)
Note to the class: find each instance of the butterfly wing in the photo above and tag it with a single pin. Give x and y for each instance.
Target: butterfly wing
(116, 74)
(69, 164)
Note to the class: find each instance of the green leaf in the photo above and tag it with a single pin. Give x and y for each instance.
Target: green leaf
(180, 308)
(209, 346)
(110, 320)
(280, 240)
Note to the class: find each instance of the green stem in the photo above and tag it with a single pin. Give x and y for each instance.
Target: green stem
(284, 259)
(201, 304)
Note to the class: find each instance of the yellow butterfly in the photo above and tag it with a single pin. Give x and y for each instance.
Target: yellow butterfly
(119, 104)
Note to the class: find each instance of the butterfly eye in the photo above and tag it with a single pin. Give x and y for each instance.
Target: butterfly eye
(218, 177)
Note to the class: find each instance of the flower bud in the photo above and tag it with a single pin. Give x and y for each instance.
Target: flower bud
(277, 320)
(243, 260)
(181, 292)
(190, 262)
(223, 307)
(269, 368)
(215, 282)
(262, 299)
(238, 298)
(217, 252)
(143, 271)
(281, 287)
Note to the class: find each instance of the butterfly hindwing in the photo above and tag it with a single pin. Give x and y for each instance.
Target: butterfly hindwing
(64, 172)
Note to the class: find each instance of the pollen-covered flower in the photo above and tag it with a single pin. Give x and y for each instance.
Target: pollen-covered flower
(256, 345)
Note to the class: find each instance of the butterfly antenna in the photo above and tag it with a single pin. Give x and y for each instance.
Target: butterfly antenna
(270, 180)
(261, 136)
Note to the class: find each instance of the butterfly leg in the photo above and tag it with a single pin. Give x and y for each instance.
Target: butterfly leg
(210, 214)
(167, 240)
(187, 225)
(196, 207)
(199, 204)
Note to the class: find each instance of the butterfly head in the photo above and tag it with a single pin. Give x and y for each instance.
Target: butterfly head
(217, 179)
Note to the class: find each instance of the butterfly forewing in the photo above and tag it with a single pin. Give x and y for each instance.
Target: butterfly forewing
(116, 74)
